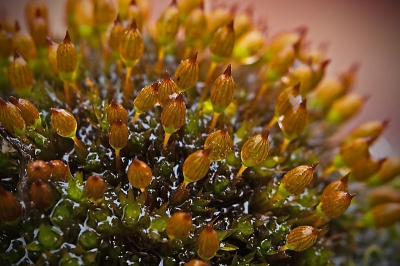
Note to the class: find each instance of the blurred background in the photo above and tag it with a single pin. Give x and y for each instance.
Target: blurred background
(364, 32)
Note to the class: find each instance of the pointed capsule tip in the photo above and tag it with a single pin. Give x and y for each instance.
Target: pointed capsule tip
(38, 14)
(166, 76)
(230, 25)
(224, 130)
(345, 179)
(381, 161)
(314, 165)
(173, 3)
(385, 122)
(54, 111)
(16, 54)
(133, 25)
(155, 85)
(265, 134)
(117, 20)
(207, 152)
(49, 41)
(67, 39)
(352, 195)
(179, 97)
(325, 63)
(228, 71)
(2, 102)
(316, 231)
(133, 3)
(17, 26)
(296, 88)
(303, 104)
(113, 103)
(193, 59)
(13, 100)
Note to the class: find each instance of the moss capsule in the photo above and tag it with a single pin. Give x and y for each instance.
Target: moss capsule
(255, 150)
(223, 91)
(38, 169)
(345, 108)
(383, 194)
(95, 187)
(104, 13)
(5, 43)
(194, 27)
(294, 121)
(118, 135)
(388, 171)
(187, 73)
(220, 144)
(139, 174)
(116, 35)
(63, 123)
(28, 111)
(296, 180)
(196, 166)
(369, 129)
(132, 46)
(10, 207)
(41, 194)
(39, 29)
(21, 76)
(382, 215)
(173, 116)
(11, 119)
(179, 225)
(116, 111)
(207, 243)
(136, 12)
(195, 262)
(353, 151)
(222, 43)
(168, 24)
(334, 204)
(67, 58)
(146, 99)
(59, 171)
(24, 43)
(337, 185)
(52, 56)
(365, 168)
(166, 88)
(301, 238)
(288, 99)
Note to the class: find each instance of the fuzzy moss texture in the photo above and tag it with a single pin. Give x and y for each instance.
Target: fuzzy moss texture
(127, 143)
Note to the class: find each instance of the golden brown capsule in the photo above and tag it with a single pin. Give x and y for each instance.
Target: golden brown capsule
(5, 43)
(365, 168)
(369, 129)
(146, 99)
(118, 135)
(334, 204)
(39, 29)
(174, 114)
(139, 174)
(194, 26)
(382, 215)
(63, 123)
(186, 6)
(196, 166)
(116, 111)
(59, 171)
(301, 238)
(296, 180)
(287, 99)
(10, 207)
(168, 24)
(223, 91)
(220, 144)
(328, 91)
(67, 58)
(179, 225)
(337, 185)
(80, 17)
(207, 243)
(38, 169)
(353, 151)
(52, 56)
(187, 73)
(195, 262)
(318, 74)
(303, 74)
(222, 43)
(95, 187)
(132, 46)
(345, 108)
(166, 88)
(294, 121)
(286, 38)
(24, 44)
(255, 150)
(243, 22)
(21, 76)
(32, 8)
(280, 63)
(116, 35)
(217, 18)
(136, 12)
(41, 194)
(389, 170)
(28, 111)
(383, 194)
(248, 48)
(104, 13)
(11, 119)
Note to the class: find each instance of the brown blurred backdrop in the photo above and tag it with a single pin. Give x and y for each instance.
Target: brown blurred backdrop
(367, 32)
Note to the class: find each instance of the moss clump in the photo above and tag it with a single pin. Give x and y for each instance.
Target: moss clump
(227, 162)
